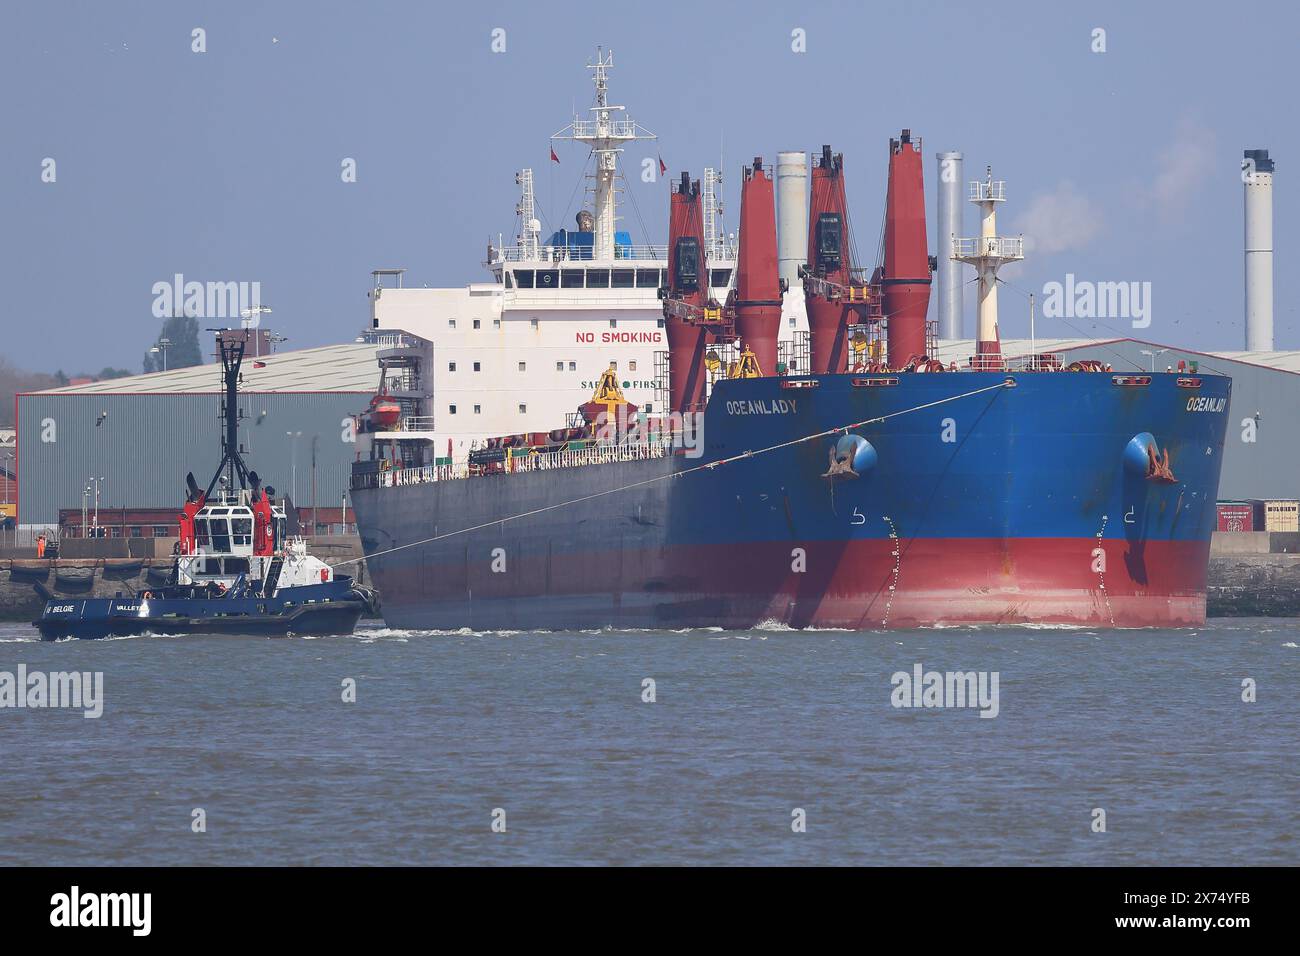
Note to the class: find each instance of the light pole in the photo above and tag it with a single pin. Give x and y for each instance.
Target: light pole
(163, 345)
(294, 471)
(96, 520)
(314, 440)
(1153, 355)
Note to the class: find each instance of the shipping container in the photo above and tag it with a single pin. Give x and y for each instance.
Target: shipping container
(1282, 515)
(1238, 516)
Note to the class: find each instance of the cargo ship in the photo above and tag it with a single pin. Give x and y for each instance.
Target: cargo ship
(848, 480)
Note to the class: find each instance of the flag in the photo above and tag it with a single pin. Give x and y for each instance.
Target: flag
(663, 167)
(554, 158)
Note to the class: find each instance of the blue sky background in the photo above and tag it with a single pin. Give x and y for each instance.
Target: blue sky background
(225, 165)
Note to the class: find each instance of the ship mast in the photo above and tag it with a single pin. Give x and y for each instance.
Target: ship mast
(606, 134)
(232, 462)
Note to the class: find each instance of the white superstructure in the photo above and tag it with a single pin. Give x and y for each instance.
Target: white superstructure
(521, 352)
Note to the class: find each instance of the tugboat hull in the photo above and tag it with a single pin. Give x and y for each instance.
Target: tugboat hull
(286, 615)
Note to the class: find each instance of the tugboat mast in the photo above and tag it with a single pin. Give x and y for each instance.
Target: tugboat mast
(232, 463)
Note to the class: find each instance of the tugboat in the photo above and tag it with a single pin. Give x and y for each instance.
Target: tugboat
(237, 569)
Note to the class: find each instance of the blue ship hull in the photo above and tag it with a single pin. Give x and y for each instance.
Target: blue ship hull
(975, 502)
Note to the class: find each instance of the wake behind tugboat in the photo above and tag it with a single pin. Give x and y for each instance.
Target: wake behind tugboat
(237, 569)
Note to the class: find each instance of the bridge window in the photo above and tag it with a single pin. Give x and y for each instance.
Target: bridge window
(571, 278)
(718, 278)
(524, 278)
(647, 278)
(220, 528)
(548, 279)
(242, 530)
(597, 278)
(201, 532)
(622, 279)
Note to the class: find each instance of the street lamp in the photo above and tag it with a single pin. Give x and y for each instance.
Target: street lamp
(294, 482)
(163, 345)
(1153, 355)
(97, 482)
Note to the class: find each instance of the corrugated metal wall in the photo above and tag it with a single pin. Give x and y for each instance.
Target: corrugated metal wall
(148, 442)
(1269, 466)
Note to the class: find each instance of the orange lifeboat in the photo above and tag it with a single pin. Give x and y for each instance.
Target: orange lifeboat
(384, 412)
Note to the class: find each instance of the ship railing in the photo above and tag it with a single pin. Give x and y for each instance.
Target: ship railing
(622, 252)
(575, 253)
(391, 340)
(1036, 362)
(593, 455)
(997, 247)
(416, 423)
(517, 463)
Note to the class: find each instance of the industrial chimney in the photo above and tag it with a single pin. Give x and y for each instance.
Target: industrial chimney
(792, 215)
(1257, 175)
(951, 288)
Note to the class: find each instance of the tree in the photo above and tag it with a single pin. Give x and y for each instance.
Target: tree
(182, 333)
(14, 380)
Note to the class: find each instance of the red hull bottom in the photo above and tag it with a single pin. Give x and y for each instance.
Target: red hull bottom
(860, 585)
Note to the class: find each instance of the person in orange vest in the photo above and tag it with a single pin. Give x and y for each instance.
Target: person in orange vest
(40, 545)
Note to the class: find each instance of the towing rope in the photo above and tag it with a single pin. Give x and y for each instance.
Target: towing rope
(840, 429)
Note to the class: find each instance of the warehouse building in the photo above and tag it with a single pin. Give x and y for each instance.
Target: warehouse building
(127, 443)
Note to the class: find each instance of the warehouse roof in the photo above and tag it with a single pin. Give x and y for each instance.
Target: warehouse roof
(351, 367)
(959, 350)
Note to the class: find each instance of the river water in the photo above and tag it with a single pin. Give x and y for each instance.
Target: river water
(760, 747)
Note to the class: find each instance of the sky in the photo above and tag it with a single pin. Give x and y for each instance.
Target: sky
(228, 165)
